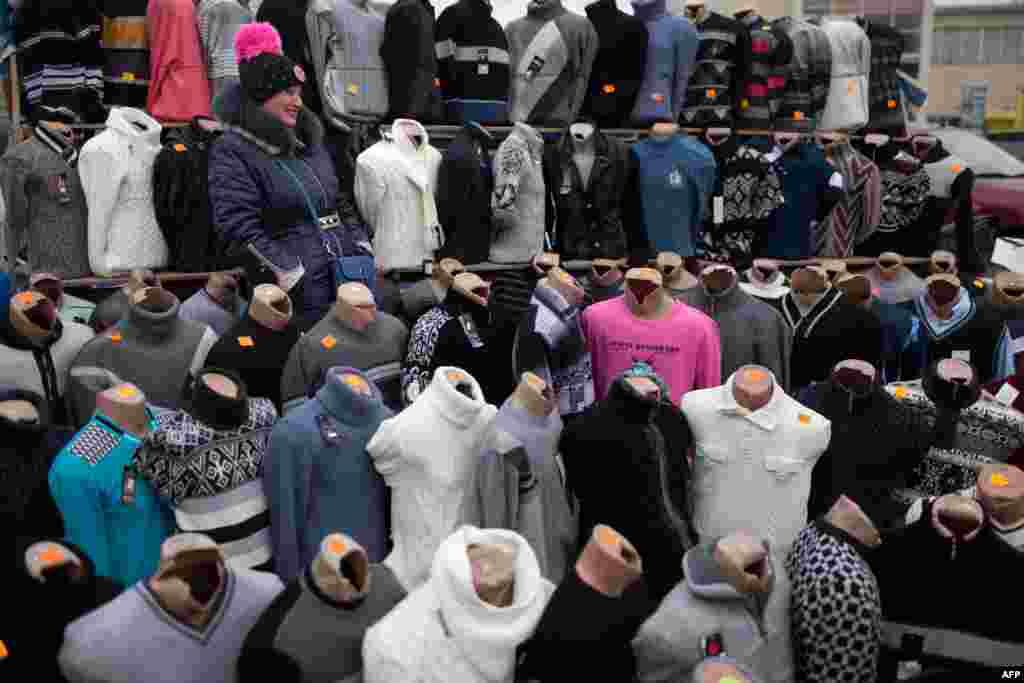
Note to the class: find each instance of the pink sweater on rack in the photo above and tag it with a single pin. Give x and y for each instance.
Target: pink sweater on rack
(683, 348)
(178, 87)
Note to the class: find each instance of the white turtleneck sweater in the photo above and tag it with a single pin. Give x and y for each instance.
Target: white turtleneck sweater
(116, 169)
(444, 633)
(427, 455)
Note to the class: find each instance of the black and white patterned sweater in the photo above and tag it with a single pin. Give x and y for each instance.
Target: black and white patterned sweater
(986, 432)
(212, 479)
(836, 608)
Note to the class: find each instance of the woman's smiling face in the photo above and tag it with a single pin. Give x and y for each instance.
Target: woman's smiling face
(285, 105)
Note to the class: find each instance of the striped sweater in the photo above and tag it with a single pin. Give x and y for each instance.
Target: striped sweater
(212, 479)
(219, 21)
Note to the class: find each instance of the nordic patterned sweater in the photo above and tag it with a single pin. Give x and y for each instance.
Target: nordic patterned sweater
(551, 53)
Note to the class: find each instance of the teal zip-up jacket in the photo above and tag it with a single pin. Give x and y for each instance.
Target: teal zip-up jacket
(120, 529)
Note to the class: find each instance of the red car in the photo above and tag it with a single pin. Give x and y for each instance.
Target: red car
(999, 176)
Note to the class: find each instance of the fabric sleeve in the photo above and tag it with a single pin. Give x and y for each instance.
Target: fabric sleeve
(369, 190)
(84, 523)
(444, 49)
(455, 188)
(206, 343)
(408, 46)
(962, 189)
(385, 448)
(588, 53)
(709, 360)
(784, 341)
(101, 181)
(830, 192)
(1002, 364)
(380, 663)
(12, 181)
(236, 201)
(638, 245)
(509, 164)
(659, 659)
(286, 484)
(685, 56)
(872, 202)
(293, 381)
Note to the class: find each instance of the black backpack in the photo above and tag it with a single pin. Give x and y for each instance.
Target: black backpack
(181, 197)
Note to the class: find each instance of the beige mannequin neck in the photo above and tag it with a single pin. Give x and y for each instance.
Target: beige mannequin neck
(717, 671)
(566, 285)
(645, 386)
(355, 307)
(125, 404)
(470, 286)
(182, 573)
(856, 289)
(546, 261)
(809, 280)
(33, 316)
(606, 272)
(19, 411)
(493, 567)
(221, 384)
(1001, 493)
(834, 269)
(270, 307)
(609, 563)
(847, 515)
(222, 288)
(1009, 289)
(443, 276)
(645, 296)
(753, 387)
(890, 266)
(943, 293)
(341, 570)
(673, 274)
(942, 262)
(533, 395)
(958, 516)
(718, 279)
(50, 285)
(664, 129)
(138, 279)
(743, 561)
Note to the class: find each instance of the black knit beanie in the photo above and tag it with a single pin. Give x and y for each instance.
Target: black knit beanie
(263, 69)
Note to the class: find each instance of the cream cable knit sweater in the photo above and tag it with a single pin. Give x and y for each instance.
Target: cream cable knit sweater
(116, 169)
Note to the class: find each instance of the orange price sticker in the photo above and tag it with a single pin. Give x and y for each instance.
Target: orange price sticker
(755, 375)
(337, 547)
(851, 88)
(127, 76)
(805, 419)
(126, 392)
(246, 342)
(116, 337)
(658, 97)
(957, 168)
(51, 555)
(712, 93)
(455, 376)
(4, 653)
(1000, 480)
(608, 88)
(25, 298)
(328, 342)
(900, 392)
(355, 381)
(891, 104)
(798, 115)
(352, 89)
(979, 284)
(179, 147)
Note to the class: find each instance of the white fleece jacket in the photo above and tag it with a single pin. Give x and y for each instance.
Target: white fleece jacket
(427, 455)
(116, 168)
(444, 633)
(394, 188)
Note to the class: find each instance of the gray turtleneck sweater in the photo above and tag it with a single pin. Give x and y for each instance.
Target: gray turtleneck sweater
(752, 332)
(156, 351)
(519, 197)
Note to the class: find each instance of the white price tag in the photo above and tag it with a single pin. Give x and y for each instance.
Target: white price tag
(965, 356)
(718, 210)
(483, 69)
(1007, 395)
(1009, 254)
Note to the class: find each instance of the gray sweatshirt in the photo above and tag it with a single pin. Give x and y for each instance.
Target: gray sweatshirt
(519, 197)
(520, 485)
(378, 351)
(219, 21)
(355, 87)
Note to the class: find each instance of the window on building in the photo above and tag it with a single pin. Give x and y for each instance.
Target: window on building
(979, 46)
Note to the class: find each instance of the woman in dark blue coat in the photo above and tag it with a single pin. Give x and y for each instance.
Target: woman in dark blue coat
(273, 187)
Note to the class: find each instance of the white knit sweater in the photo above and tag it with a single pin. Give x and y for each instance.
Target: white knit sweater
(444, 633)
(116, 168)
(427, 455)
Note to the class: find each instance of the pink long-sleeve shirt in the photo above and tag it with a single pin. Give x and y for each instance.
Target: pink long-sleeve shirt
(683, 347)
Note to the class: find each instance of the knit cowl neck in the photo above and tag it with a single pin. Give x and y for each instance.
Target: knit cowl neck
(456, 304)
(151, 322)
(487, 636)
(630, 404)
(215, 409)
(950, 396)
(456, 407)
(346, 404)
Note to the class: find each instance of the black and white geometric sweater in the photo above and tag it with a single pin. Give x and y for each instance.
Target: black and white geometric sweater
(836, 608)
(212, 479)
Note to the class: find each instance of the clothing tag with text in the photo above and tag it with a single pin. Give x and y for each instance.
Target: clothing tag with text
(1007, 395)
(718, 210)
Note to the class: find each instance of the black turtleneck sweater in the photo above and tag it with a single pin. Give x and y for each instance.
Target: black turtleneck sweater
(618, 69)
(258, 354)
(641, 492)
(458, 333)
(876, 443)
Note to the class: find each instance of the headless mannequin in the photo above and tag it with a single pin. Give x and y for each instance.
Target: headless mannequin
(1009, 289)
(223, 385)
(270, 307)
(493, 567)
(609, 563)
(156, 299)
(355, 307)
(223, 288)
(139, 279)
(33, 316)
(764, 270)
(583, 149)
(835, 269)
(857, 289)
(605, 272)
(856, 375)
(675, 276)
(533, 395)
(125, 404)
(753, 386)
(566, 285)
(646, 387)
(847, 515)
(545, 262)
(19, 411)
(472, 287)
(743, 561)
(957, 518)
(460, 381)
(943, 293)
(809, 284)
(696, 12)
(712, 671)
(443, 275)
(190, 578)
(718, 279)
(942, 262)
(352, 381)
(46, 559)
(1001, 494)
(664, 129)
(341, 570)
(955, 370)
(890, 264)
(50, 285)
(645, 296)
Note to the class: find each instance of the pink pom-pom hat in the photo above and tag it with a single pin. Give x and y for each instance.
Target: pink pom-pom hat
(256, 39)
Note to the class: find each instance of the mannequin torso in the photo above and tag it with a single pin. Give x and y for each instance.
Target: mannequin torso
(644, 294)
(125, 404)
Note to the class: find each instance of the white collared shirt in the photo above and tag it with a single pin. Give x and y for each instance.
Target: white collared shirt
(753, 469)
